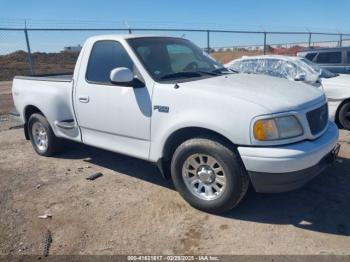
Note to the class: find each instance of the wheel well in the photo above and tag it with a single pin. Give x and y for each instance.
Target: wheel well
(180, 136)
(27, 113)
(337, 112)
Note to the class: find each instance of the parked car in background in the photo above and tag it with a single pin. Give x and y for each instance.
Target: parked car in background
(336, 60)
(164, 100)
(336, 86)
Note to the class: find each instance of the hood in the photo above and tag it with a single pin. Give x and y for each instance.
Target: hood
(337, 87)
(341, 79)
(274, 94)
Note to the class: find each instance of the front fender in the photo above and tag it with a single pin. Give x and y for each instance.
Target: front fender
(226, 115)
(162, 130)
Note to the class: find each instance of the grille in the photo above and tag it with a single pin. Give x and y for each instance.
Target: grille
(318, 119)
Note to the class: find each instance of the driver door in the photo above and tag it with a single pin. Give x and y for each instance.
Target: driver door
(111, 116)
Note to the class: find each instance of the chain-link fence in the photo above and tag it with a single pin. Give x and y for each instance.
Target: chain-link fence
(26, 51)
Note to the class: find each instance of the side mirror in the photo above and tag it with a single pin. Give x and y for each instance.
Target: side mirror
(121, 75)
(300, 77)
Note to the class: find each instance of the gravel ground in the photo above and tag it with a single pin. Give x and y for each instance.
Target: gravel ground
(6, 102)
(132, 210)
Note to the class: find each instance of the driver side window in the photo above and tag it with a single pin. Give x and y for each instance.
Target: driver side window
(105, 56)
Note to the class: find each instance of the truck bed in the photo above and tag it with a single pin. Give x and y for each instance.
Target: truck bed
(56, 77)
(50, 94)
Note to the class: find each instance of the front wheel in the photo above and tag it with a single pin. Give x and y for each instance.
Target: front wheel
(344, 116)
(43, 140)
(209, 175)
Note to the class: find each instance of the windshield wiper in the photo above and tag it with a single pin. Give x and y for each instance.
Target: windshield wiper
(198, 73)
(223, 70)
(212, 73)
(181, 74)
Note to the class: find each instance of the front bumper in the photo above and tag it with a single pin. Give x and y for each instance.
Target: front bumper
(284, 168)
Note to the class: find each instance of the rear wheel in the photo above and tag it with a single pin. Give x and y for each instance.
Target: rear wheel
(209, 175)
(344, 116)
(44, 141)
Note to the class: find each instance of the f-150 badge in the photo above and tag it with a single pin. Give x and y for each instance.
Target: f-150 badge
(161, 109)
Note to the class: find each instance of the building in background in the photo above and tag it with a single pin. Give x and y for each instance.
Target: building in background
(72, 49)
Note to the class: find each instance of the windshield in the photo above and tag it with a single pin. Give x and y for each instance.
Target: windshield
(324, 73)
(174, 58)
(313, 66)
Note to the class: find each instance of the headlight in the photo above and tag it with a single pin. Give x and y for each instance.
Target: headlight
(277, 128)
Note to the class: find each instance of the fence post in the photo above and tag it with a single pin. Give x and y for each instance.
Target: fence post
(265, 47)
(310, 34)
(340, 40)
(28, 50)
(208, 41)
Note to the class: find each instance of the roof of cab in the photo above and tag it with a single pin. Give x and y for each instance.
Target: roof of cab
(125, 36)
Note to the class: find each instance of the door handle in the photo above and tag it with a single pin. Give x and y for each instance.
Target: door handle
(84, 99)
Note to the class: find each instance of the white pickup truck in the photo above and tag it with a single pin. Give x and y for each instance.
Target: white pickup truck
(164, 100)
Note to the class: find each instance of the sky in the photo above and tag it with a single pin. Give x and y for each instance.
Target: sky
(269, 15)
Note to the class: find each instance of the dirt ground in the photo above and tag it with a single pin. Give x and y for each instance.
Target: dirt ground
(131, 209)
(6, 102)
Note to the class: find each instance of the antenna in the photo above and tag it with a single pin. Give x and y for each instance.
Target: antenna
(128, 26)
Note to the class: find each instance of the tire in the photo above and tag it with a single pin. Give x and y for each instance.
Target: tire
(344, 116)
(194, 160)
(39, 130)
